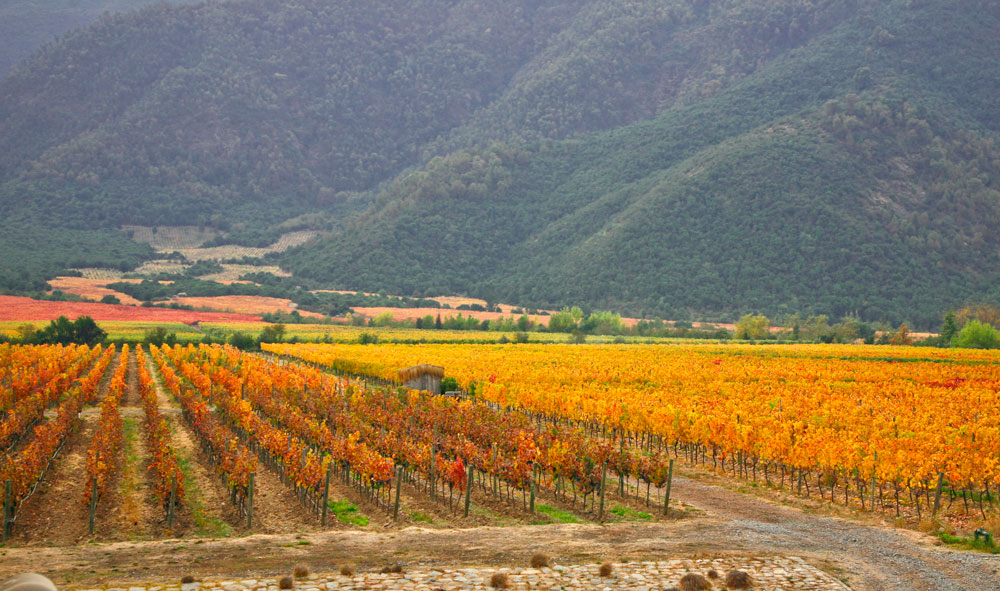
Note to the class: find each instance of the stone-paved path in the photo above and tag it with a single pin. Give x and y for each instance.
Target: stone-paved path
(769, 574)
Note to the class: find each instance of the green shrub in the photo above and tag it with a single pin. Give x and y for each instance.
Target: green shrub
(977, 335)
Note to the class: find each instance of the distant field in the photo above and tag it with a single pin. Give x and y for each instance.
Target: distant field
(401, 314)
(340, 333)
(19, 309)
(160, 266)
(187, 240)
(245, 304)
(232, 273)
(118, 329)
(170, 238)
(98, 273)
(236, 252)
(92, 289)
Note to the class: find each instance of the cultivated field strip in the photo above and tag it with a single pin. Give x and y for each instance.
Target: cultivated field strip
(898, 429)
(311, 424)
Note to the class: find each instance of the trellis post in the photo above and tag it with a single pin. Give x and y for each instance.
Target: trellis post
(253, 476)
(399, 485)
(8, 503)
(468, 488)
(666, 496)
(604, 476)
(93, 504)
(326, 492)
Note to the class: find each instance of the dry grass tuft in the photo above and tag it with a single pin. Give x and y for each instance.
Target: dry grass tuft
(713, 574)
(187, 579)
(738, 579)
(286, 583)
(499, 581)
(539, 560)
(347, 570)
(301, 571)
(928, 525)
(694, 582)
(606, 569)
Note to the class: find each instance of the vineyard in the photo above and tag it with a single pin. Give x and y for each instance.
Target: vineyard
(124, 444)
(344, 333)
(181, 440)
(900, 430)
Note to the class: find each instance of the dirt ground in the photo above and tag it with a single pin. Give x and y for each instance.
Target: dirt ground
(866, 555)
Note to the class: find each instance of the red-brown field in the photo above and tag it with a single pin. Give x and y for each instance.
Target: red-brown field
(245, 304)
(400, 314)
(92, 289)
(15, 309)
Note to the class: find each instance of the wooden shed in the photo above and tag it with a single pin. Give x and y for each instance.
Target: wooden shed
(422, 377)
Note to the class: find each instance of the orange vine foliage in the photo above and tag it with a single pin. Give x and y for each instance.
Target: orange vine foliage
(32, 378)
(233, 460)
(162, 457)
(898, 414)
(27, 466)
(103, 452)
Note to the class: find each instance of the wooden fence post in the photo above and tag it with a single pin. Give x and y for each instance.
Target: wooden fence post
(604, 476)
(93, 504)
(171, 502)
(468, 488)
(531, 505)
(433, 477)
(399, 485)
(666, 496)
(326, 492)
(937, 493)
(250, 502)
(8, 503)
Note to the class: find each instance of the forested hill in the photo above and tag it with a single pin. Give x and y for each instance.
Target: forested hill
(27, 25)
(859, 174)
(261, 105)
(710, 156)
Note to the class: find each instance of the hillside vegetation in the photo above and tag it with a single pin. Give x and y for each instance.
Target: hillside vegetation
(27, 25)
(857, 175)
(673, 157)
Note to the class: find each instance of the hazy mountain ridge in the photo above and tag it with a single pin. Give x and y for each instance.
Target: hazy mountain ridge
(855, 184)
(672, 157)
(27, 25)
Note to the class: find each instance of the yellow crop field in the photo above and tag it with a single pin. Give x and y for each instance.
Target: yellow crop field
(899, 415)
(118, 330)
(342, 333)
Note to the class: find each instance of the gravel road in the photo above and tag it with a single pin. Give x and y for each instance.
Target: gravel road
(867, 556)
(873, 558)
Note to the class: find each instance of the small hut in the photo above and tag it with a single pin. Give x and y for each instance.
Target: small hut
(422, 377)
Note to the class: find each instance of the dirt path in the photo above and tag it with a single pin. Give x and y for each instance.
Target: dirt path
(276, 509)
(56, 513)
(206, 509)
(867, 556)
(873, 557)
(135, 515)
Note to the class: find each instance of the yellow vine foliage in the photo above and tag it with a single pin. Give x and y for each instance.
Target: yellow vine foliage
(899, 414)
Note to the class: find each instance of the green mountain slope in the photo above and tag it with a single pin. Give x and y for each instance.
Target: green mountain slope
(668, 157)
(27, 25)
(856, 175)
